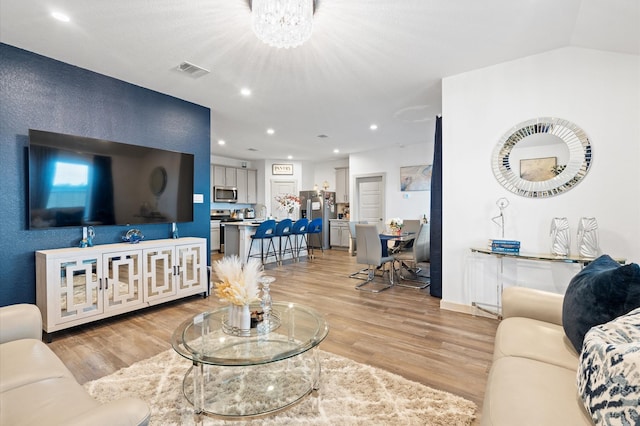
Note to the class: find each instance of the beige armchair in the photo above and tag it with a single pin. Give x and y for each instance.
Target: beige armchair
(37, 389)
(370, 254)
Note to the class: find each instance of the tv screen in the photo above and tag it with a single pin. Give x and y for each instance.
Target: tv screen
(79, 181)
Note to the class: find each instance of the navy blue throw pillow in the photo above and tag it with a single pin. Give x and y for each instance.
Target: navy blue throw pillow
(599, 293)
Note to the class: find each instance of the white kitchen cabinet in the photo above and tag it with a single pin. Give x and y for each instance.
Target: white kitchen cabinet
(245, 180)
(342, 185)
(241, 184)
(80, 285)
(339, 234)
(252, 186)
(215, 235)
(224, 176)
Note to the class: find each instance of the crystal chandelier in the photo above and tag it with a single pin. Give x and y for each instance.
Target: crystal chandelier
(282, 23)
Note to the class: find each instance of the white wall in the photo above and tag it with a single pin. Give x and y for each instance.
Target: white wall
(388, 161)
(600, 92)
(326, 171)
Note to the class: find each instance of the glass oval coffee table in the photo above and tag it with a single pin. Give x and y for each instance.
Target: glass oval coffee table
(243, 376)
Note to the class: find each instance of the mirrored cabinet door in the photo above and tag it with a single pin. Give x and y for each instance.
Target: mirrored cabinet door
(159, 273)
(192, 271)
(78, 288)
(123, 280)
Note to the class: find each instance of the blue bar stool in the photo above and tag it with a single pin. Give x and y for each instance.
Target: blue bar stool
(299, 233)
(283, 232)
(264, 234)
(315, 228)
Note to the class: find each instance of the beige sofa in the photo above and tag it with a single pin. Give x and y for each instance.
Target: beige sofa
(37, 389)
(533, 376)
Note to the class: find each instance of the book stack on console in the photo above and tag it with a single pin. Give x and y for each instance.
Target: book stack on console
(505, 246)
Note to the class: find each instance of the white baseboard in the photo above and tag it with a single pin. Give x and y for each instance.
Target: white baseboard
(465, 309)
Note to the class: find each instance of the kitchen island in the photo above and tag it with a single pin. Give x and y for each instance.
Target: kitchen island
(237, 240)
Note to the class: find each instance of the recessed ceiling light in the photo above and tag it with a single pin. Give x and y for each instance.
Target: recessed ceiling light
(270, 131)
(374, 127)
(289, 157)
(221, 142)
(245, 91)
(335, 151)
(61, 16)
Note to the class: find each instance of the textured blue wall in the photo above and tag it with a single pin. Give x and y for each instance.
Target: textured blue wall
(42, 93)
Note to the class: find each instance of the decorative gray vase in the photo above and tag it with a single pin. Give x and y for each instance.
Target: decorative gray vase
(588, 237)
(560, 238)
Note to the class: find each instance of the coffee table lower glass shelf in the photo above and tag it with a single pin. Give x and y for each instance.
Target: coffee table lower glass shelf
(237, 376)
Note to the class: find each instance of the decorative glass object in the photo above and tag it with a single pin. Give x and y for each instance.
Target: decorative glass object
(588, 237)
(282, 23)
(267, 305)
(133, 236)
(560, 238)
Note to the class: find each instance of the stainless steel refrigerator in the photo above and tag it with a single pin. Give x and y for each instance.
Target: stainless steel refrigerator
(322, 204)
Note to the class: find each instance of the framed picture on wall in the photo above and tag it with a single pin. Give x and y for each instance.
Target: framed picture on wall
(416, 178)
(282, 169)
(538, 169)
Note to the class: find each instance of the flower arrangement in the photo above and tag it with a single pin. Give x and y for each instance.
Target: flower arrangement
(238, 285)
(287, 202)
(395, 223)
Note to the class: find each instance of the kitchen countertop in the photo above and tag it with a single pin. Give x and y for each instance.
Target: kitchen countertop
(248, 222)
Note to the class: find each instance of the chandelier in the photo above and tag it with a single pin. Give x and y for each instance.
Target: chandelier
(282, 23)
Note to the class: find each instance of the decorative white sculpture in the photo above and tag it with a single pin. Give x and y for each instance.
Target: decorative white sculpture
(588, 237)
(560, 238)
(502, 204)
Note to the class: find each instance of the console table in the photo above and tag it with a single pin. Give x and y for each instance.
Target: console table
(79, 285)
(547, 257)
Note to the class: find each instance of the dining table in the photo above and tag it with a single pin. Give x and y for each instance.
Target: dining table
(402, 241)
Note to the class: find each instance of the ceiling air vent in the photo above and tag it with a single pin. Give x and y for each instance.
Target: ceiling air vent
(191, 69)
(252, 149)
(322, 136)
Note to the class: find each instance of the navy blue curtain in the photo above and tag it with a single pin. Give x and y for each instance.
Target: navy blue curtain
(435, 289)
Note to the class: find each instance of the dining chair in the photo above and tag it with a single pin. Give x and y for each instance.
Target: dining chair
(363, 273)
(409, 259)
(315, 228)
(264, 235)
(283, 233)
(352, 235)
(370, 254)
(299, 234)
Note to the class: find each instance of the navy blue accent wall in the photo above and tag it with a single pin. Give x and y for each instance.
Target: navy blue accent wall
(42, 93)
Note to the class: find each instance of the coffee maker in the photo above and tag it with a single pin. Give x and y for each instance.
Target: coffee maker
(249, 213)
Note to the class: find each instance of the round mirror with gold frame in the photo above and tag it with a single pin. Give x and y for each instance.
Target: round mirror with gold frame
(542, 157)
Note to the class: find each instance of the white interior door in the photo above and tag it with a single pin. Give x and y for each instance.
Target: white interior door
(282, 187)
(370, 199)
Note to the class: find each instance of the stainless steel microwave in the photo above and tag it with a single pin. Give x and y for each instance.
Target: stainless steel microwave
(225, 194)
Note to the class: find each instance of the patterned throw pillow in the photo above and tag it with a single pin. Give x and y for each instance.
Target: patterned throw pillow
(609, 372)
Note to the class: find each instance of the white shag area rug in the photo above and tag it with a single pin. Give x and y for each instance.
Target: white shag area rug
(350, 394)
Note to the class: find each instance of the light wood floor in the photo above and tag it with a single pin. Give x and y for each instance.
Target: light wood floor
(401, 330)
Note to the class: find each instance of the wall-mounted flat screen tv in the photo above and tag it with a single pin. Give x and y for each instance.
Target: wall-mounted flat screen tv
(79, 181)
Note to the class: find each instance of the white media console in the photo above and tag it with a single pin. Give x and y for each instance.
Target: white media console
(79, 285)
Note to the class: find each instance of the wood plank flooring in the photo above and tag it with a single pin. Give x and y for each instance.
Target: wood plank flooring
(401, 330)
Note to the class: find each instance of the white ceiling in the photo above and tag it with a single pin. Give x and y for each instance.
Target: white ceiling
(368, 61)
